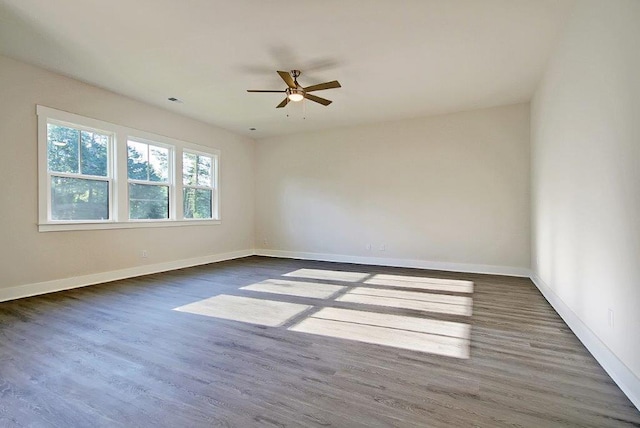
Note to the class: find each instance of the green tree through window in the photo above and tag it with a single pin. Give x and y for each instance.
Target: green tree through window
(198, 186)
(78, 166)
(147, 168)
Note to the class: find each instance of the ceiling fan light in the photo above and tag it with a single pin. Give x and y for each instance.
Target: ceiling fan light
(296, 97)
(295, 94)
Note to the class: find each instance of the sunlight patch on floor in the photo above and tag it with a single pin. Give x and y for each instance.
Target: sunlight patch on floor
(401, 322)
(334, 275)
(433, 295)
(295, 288)
(390, 330)
(422, 283)
(255, 311)
(440, 303)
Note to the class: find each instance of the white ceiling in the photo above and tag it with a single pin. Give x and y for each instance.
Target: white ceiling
(394, 59)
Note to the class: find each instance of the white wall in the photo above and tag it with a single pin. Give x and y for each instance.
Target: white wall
(586, 178)
(451, 188)
(28, 256)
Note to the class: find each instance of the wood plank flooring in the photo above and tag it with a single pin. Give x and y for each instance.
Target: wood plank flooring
(120, 354)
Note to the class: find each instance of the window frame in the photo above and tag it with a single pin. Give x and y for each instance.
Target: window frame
(109, 178)
(215, 209)
(170, 183)
(118, 175)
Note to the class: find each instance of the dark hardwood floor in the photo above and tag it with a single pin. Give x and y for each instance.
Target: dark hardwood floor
(119, 354)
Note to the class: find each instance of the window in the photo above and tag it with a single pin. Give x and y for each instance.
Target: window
(78, 173)
(98, 175)
(148, 172)
(198, 185)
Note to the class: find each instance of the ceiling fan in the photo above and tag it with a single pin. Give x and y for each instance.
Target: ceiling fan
(296, 93)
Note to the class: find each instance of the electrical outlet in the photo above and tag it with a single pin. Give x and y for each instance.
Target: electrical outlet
(383, 247)
(368, 247)
(265, 241)
(144, 254)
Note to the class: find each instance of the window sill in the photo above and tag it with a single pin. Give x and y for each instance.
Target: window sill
(65, 226)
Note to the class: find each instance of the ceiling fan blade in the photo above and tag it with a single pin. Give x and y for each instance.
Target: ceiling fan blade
(319, 100)
(262, 90)
(322, 86)
(287, 79)
(283, 103)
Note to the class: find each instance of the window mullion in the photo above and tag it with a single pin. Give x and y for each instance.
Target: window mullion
(79, 151)
(150, 183)
(80, 176)
(148, 163)
(120, 174)
(178, 194)
(199, 187)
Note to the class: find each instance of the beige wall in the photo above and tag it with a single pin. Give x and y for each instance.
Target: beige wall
(451, 188)
(586, 174)
(28, 256)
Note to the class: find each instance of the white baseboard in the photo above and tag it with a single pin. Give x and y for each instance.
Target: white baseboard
(52, 286)
(382, 261)
(34, 289)
(628, 382)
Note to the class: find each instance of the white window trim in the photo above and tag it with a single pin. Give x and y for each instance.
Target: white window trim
(170, 183)
(118, 195)
(215, 184)
(110, 171)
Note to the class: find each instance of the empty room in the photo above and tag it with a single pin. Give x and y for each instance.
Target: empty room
(360, 213)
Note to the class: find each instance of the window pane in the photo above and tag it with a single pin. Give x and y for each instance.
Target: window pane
(94, 153)
(148, 201)
(159, 164)
(204, 171)
(79, 199)
(62, 148)
(189, 161)
(197, 203)
(137, 161)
